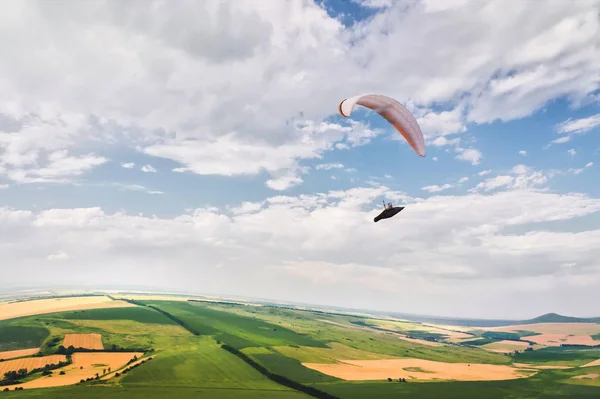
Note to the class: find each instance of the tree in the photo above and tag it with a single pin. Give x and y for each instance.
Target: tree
(103, 371)
(389, 379)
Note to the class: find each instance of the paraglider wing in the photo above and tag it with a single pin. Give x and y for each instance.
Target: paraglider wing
(388, 213)
(394, 112)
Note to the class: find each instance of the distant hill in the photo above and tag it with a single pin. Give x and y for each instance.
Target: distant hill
(556, 318)
(547, 318)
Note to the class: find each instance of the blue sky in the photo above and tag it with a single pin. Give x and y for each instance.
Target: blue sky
(212, 157)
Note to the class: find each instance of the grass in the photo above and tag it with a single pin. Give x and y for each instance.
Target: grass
(210, 321)
(330, 355)
(139, 314)
(14, 336)
(558, 356)
(187, 365)
(545, 385)
(290, 368)
(501, 336)
(596, 337)
(151, 392)
(205, 365)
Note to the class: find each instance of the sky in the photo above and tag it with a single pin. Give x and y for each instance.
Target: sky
(196, 146)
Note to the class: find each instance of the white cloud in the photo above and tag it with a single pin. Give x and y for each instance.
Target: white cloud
(435, 159)
(332, 242)
(374, 3)
(463, 179)
(523, 152)
(283, 182)
(441, 124)
(589, 164)
(572, 152)
(327, 166)
(127, 165)
(60, 168)
(58, 256)
(443, 141)
(470, 154)
(484, 172)
(579, 126)
(135, 187)
(572, 127)
(247, 207)
(522, 177)
(172, 94)
(148, 169)
(436, 188)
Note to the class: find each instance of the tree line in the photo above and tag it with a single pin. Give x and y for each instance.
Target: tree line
(314, 392)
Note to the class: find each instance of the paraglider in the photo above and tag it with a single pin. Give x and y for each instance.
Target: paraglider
(388, 212)
(394, 112)
(399, 117)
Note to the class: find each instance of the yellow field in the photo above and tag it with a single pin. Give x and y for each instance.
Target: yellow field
(587, 376)
(418, 369)
(44, 306)
(553, 328)
(419, 341)
(87, 341)
(30, 363)
(92, 363)
(594, 363)
(505, 346)
(18, 353)
(451, 332)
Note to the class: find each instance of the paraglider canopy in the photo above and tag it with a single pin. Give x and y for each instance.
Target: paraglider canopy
(394, 112)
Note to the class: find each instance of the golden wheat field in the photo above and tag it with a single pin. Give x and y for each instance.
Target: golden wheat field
(417, 369)
(85, 365)
(11, 310)
(87, 341)
(18, 353)
(30, 363)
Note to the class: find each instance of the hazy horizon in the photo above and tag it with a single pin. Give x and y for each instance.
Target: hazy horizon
(139, 146)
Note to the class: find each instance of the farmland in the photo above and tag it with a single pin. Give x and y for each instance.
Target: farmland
(333, 353)
(45, 306)
(87, 341)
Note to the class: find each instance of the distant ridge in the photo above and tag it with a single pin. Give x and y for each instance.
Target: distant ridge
(556, 318)
(546, 318)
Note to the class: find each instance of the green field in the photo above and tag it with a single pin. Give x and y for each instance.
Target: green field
(188, 360)
(152, 392)
(205, 364)
(139, 314)
(14, 335)
(558, 356)
(546, 385)
(210, 321)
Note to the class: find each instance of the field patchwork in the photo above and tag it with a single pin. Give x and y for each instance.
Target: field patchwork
(86, 341)
(505, 346)
(18, 353)
(30, 363)
(85, 365)
(418, 369)
(13, 310)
